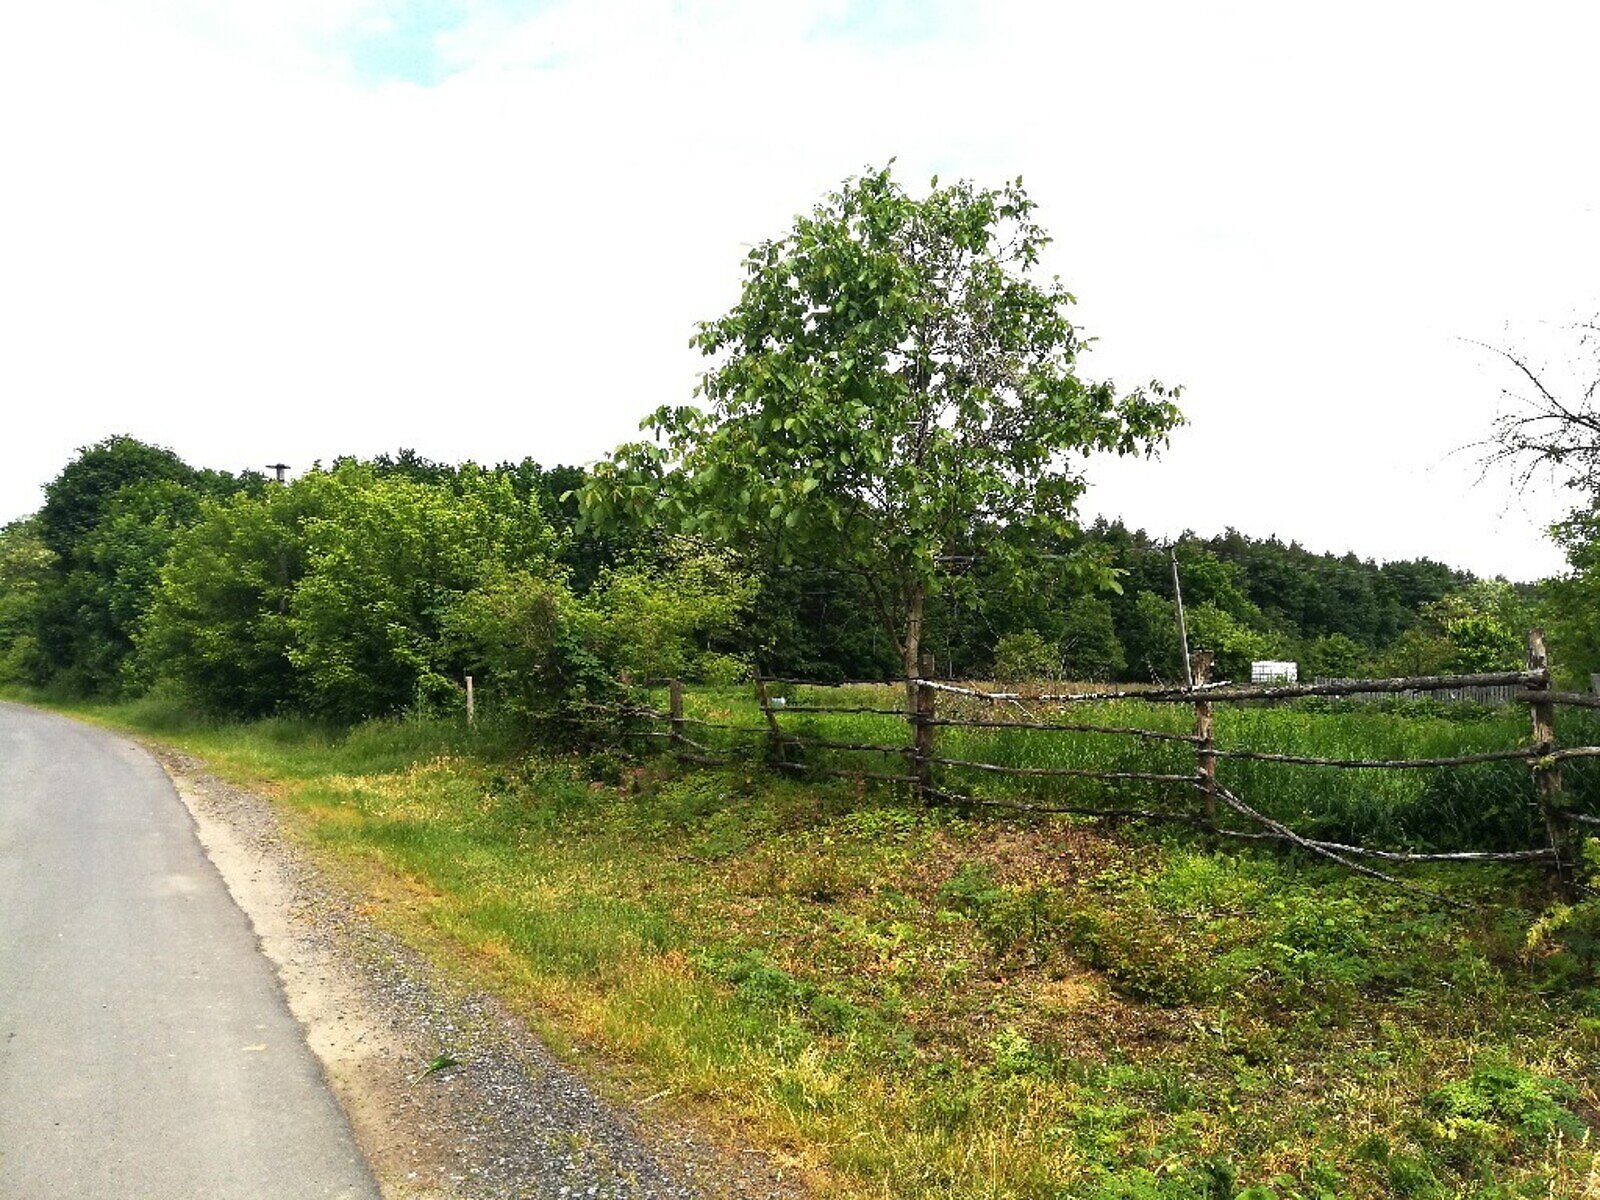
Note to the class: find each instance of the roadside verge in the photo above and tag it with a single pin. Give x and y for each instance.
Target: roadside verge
(508, 1120)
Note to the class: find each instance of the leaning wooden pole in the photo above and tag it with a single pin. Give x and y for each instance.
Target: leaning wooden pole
(1204, 744)
(1183, 625)
(774, 730)
(1547, 769)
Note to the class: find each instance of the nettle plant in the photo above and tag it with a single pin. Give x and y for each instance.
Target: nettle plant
(895, 383)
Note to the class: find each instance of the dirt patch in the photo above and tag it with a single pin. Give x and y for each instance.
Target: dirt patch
(509, 1122)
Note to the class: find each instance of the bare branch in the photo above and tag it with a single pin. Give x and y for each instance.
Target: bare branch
(1547, 423)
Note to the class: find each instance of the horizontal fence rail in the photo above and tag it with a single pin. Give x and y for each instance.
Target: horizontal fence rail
(1420, 684)
(1028, 714)
(1488, 694)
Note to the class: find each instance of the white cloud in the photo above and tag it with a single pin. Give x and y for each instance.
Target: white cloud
(226, 243)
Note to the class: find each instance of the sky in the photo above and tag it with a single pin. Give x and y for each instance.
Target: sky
(486, 228)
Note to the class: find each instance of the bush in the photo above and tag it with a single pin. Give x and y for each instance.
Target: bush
(387, 562)
(1025, 655)
(523, 636)
(671, 619)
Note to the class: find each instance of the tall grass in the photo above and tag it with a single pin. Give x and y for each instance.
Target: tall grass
(298, 746)
(1482, 806)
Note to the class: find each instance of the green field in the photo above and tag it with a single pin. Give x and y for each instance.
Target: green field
(909, 1002)
(1484, 806)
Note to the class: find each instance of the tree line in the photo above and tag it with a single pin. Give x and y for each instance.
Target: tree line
(370, 587)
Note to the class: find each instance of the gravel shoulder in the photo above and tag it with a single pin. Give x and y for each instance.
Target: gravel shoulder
(510, 1122)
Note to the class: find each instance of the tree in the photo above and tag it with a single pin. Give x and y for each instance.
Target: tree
(1336, 656)
(1485, 624)
(1090, 649)
(109, 518)
(892, 376)
(1154, 649)
(1549, 416)
(1025, 655)
(77, 498)
(218, 624)
(1234, 645)
(77, 634)
(387, 559)
(1417, 651)
(1549, 420)
(1569, 604)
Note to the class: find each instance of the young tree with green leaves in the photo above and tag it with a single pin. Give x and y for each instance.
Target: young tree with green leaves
(218, 625)
(893, 377)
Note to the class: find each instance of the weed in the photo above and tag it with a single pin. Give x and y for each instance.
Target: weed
(1503, 1106)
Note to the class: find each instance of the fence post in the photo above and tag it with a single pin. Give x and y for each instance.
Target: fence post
(774, 733)
(922, 728)
(1546, 774)
(472, 710)
(675, 712)
(1204, 746)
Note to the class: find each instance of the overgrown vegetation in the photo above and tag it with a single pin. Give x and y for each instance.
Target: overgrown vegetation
(913, 1003)
(1483, 806)
(889, 464)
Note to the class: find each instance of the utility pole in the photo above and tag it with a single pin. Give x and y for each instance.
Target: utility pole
(283, 555)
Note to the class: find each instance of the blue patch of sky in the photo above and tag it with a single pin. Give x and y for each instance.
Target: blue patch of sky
(399, 42)
(885, 24)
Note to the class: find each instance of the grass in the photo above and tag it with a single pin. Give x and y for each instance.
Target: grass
(912, 1003)
(1479, 807)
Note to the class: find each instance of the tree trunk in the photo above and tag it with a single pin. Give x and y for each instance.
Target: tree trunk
(911, 648)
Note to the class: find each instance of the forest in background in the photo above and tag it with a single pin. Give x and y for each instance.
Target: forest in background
(370, 587)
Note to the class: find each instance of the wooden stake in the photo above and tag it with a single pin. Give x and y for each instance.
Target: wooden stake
(472, 710)
(1204, 745)
(922, 729)
(1547, 772)
(675, 710)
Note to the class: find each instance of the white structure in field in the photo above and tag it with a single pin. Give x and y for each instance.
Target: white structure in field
(1267, 671)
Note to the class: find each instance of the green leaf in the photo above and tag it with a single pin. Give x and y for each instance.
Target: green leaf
(439, 1062)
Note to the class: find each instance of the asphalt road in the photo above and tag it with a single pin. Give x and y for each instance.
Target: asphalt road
(146, 1050)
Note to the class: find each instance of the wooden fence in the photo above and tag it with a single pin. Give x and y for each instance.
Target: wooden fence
(1495, 696)
(919, 763)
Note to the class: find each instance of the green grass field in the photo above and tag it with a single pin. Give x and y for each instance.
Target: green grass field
(907, 1002)
(1480, 807)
